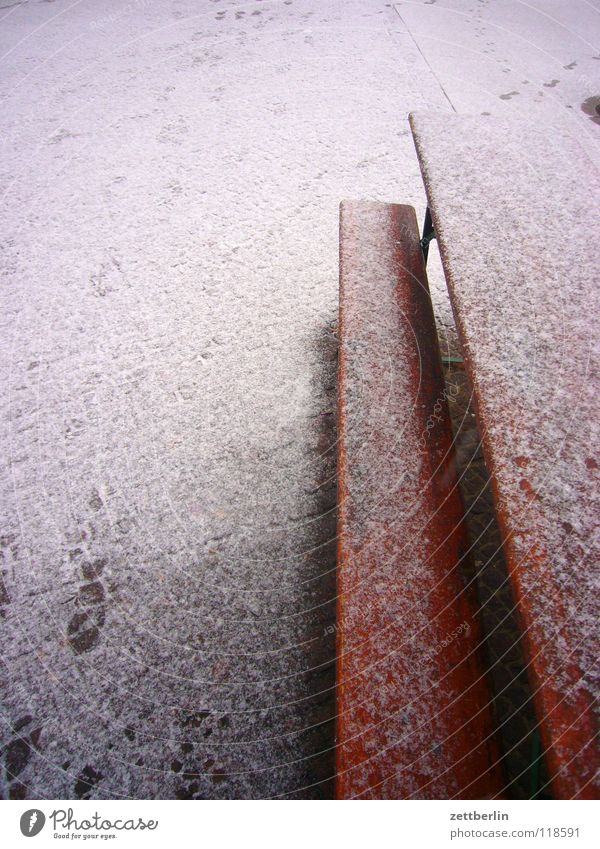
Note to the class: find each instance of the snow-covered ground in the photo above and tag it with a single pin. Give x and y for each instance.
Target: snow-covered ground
(170, 175)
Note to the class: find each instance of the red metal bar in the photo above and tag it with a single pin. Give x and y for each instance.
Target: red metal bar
(414, 716)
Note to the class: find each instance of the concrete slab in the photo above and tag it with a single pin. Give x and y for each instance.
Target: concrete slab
(170, 178)
(171, 174)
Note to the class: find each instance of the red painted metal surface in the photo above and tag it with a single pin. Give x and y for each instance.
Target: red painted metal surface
(414, 717)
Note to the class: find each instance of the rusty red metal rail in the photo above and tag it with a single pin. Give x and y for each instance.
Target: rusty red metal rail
(514, 217)
(414, 718)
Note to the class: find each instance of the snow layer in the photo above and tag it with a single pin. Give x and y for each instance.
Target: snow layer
(517, 220)
(170, 176)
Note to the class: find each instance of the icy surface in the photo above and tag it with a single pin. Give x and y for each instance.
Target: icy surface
(170, 176)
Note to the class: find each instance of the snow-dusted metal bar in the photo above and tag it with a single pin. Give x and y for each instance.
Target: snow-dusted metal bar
(512, 205)
(413, 709)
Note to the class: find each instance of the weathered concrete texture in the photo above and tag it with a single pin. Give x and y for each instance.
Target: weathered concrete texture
(172, 179)
(522, 282)
(170, 176)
